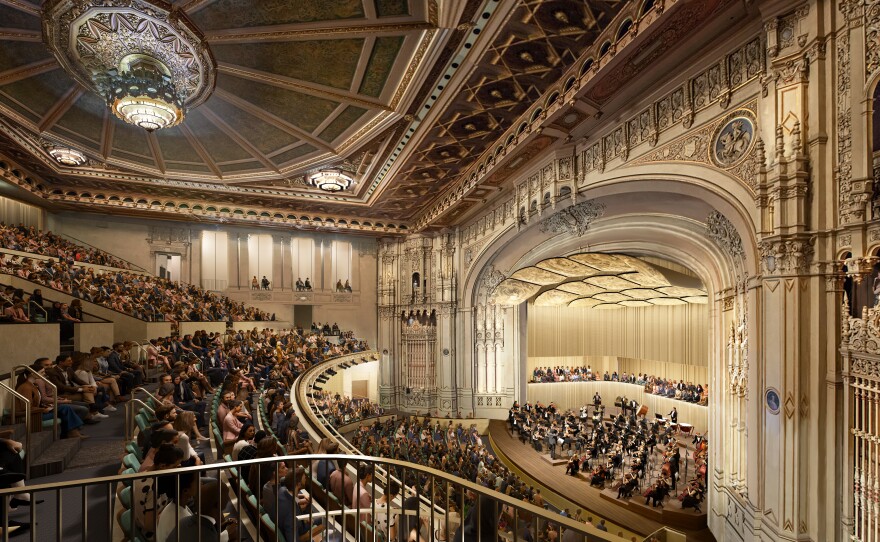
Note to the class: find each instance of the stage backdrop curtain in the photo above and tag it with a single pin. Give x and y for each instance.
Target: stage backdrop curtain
(675, 334)
(573, 395)
(17, 212)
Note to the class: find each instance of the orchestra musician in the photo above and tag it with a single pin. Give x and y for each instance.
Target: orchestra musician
(630, 483)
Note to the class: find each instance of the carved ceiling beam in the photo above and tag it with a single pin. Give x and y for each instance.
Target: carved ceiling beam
(18, 73)
(21, 5)
(296, 32)
(271, 119)
(361, 68)
(17, 34)
(192, 6)
(107, 134)
(298, 85)
(156, 150)
(60, 107)
(200, 150)
(242, 142)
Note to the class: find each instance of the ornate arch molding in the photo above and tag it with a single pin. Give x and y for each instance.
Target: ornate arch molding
(714, 188)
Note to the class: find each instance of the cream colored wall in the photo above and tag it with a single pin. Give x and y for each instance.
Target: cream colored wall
(89, 334)
(17, 212)
(127, 238)
(677, 334)
(341, 381)
(23, 343)
(122, 237)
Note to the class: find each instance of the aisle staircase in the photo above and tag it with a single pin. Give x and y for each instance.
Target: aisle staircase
(48, 457)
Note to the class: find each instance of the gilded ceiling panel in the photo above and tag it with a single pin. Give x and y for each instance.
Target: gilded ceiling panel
(20, 53)
(301, 110)
(514, 292)
(699, 300)
(611, 282)
(680, 291)
(325, 62)
(635, 303)
(40, 92)
(611, 297)
(565, 266)
(608, 263)
(176, 147)
(391, 8)
(235, 14)
(262, 135)
(214, 139)
(667, 301)
(580, 288)
(641, 293)
(342, 122)
(85, 116)
(380, 64)
(537, 275)
(555, 298)
(584, 302)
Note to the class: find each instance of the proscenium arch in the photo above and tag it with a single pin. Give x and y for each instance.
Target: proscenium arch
(714, 188)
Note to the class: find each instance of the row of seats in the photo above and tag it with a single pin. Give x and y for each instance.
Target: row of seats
(131, 464)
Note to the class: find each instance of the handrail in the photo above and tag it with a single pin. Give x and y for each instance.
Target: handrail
(55, 395)
(80, 241)
(27, 427)
(326, 427)
(438, 479)
(129, 416)
(150, 395)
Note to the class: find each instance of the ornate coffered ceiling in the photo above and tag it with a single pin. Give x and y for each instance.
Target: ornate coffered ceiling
(408, 96)
(600, 281)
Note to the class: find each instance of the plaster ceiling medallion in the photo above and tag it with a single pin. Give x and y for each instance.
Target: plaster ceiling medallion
(331, 180)
(602, 281)
(67, 156)
(147, 61)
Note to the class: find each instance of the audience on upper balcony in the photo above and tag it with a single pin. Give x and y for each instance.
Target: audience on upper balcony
(30, 239)
(141, 296)
(673, 389)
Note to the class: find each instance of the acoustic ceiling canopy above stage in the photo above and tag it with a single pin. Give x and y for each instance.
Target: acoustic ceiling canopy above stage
(600, 281)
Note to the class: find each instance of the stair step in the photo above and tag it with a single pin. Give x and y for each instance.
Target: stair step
(17, 431)
(40, 442)
(55, 458)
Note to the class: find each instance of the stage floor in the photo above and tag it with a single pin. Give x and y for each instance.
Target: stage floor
(576, 489)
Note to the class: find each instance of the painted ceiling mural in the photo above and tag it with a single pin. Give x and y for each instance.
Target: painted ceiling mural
(300, 86)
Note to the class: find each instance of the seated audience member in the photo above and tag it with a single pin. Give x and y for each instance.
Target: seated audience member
(209, 521)
(106, 385)
(184, 399)
(148, 497)
(245, 438)
(70, 422)
(161, 435)
(48, 394)
(178, 499)
(15, 313)
(293, 492)
(231, 424)
(69, 385)
(185, 425)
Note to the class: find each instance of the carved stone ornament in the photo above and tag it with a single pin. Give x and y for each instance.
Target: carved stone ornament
(574, 220)
(491, 279)
(723, 232)
(862, 335)
(783, 256)
(733, 141)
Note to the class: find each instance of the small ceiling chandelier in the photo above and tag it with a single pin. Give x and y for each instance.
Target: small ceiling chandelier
(331, 180)
(147, 60)
(67, 156)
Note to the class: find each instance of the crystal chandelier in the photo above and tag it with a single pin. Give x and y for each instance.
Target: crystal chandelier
(142, 93)
(67, 156)
(331, 180)
(145, 58)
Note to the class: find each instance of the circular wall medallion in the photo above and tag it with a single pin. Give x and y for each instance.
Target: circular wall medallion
(734, 140)
(772, 400)
(445, 351)
(385, 351)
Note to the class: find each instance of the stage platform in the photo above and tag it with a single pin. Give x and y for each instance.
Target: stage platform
(576, 489)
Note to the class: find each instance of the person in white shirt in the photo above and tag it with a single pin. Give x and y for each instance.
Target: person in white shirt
(177, 508)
